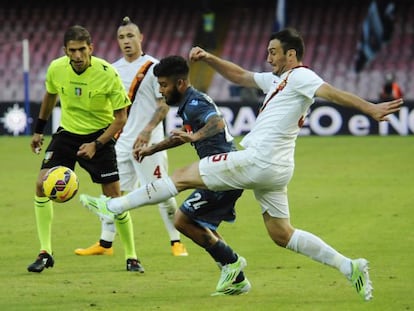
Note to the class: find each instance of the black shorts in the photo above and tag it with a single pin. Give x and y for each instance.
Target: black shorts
(62, 150)
(209, 208)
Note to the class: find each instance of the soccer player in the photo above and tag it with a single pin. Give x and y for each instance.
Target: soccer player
(94, 108)
(204, 127)
(266, 164)
(144, 126)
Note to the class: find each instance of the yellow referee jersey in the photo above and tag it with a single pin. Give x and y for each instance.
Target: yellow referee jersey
(89, 99)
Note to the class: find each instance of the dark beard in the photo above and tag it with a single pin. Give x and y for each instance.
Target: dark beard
(174, 98)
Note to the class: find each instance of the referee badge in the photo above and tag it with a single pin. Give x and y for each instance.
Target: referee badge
(78, 91)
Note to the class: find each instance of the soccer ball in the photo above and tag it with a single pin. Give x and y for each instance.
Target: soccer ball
(60, 184)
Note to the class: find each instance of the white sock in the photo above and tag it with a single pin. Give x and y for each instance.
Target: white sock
(310, 245)
(108, 231)
(167, 211)
(152, 193)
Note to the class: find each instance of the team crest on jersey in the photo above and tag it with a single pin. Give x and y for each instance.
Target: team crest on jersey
(48, 156)
(194, 102)
(78, 91)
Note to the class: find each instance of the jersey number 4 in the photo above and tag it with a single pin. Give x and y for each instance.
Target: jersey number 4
(157, 172)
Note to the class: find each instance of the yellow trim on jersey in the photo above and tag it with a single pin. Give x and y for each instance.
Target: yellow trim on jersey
(89, 99)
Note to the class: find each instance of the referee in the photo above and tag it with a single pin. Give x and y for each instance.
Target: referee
(93, 109)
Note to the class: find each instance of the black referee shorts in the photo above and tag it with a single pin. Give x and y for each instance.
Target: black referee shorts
(62, 150)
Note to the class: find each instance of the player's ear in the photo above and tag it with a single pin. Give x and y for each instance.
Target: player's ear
(291, 52)
(179, 83)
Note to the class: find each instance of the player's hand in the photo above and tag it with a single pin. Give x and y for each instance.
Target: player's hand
(142, 139)
(183, 136)
(382, 110)
(197, 53)
(87, 150)
(36, 143)
(141, 152)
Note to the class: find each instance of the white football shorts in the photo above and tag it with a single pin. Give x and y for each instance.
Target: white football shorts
(244, 170)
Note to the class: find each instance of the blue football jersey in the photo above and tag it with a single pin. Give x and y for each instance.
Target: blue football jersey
(195, 110)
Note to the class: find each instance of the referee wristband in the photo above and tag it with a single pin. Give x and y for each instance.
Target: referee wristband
(98, 145)
(40, 126)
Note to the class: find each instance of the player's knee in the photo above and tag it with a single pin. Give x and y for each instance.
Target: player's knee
(279, 229)
(179, 221)
(187, 178)
(180, 227)
(280, 240)
(39, 185)
(183, 181)
(280, 235)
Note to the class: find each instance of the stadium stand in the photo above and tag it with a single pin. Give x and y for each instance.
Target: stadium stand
(170, 30)
(331, 30)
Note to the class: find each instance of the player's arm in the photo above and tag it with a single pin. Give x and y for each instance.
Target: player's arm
(160, 112)
(88, 150)
(227, 69)
(378, 111)
(120, 118)
(214, 125)
(140, 152)
(48, 103)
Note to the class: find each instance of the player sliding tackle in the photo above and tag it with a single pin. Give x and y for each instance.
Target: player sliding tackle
(267, 162)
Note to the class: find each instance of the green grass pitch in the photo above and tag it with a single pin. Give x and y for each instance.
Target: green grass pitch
(354, 192)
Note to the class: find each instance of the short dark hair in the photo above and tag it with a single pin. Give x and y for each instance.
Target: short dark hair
(290, 38)
(77, 33)
(172, 66)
